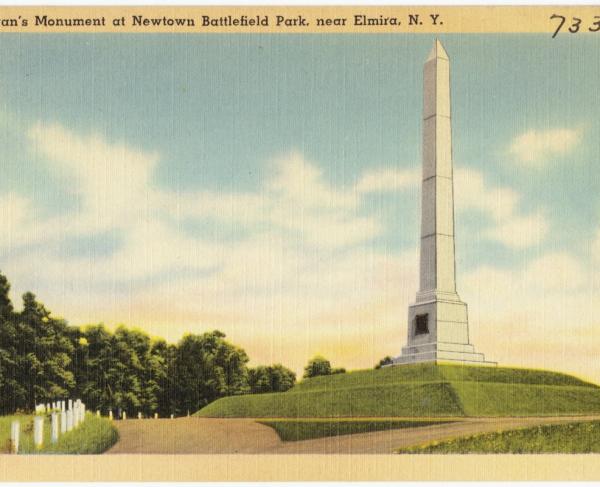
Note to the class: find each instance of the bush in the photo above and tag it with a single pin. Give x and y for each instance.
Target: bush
(387, 360)
(272, 378)
(317, 366)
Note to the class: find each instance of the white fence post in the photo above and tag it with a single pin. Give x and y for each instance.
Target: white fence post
(139, 415)
(69, 420)
(15, 430)
(62, 406)
(38, 431)
(63, 422)
(155, 415)
(98, 412)
(54, 427)
(110, 416)
(124, 416)
(70, 404)
(172, 416)
(82, 412)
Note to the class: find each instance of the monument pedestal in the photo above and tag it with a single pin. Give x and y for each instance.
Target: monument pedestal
(439, 331)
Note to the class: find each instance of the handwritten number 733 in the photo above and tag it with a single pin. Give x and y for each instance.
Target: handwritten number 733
(574, 24)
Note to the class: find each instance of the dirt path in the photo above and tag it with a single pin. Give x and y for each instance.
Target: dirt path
(193, 435)
(216, 435)
(382, 442)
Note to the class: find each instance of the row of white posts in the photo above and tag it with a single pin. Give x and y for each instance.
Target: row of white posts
(124, 415)
(62, 421)
(61, 406)
(65, 416)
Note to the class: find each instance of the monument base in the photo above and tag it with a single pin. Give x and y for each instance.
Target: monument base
(438, 331)
(441, 352)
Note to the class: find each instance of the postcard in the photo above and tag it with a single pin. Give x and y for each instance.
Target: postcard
(299, 243)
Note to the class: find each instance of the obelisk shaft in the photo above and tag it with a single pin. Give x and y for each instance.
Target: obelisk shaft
(438, 321)
(437, 263)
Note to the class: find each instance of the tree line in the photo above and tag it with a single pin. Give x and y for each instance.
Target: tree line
(43, 359)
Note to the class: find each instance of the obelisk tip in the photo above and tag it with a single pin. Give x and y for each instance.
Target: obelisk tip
(437, 51)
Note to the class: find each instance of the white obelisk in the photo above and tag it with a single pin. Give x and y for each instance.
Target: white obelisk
(438, 327)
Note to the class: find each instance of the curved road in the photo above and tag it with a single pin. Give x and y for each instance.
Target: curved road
(217, 435)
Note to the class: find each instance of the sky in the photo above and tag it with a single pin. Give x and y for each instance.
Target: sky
(268, 186)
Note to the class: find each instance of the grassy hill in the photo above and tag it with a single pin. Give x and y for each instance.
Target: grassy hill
(581, 437)
(421, 390)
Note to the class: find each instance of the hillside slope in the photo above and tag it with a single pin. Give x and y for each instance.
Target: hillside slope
(421, 390)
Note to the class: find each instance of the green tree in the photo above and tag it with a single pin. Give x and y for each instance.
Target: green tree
(316, 366)
(96, 367)
(206, 368)
(166, 378)
(12, 393)
(387, 360)
(127, 374)
(42, 360)
(44, 353)
(272, 378)
(6, 307)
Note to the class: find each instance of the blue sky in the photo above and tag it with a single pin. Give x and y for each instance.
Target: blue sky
(292, 157)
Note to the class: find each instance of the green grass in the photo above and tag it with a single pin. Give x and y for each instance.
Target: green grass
(306, 429)
(373, 377)
(94, 435)
(583, 437)
(439, 373)
(5, 422)
(442, 390)
(412, 399)
(508, 375)
(489, 399)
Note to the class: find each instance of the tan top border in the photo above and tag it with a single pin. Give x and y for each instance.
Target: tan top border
(291, 19)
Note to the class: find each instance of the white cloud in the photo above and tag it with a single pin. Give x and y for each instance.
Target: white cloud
(386, 179)
(472, 192)
(296, 198)
(302, 276)
(535, 147)
(541, 314)
(302, 183)
(506, 224)
(15, 212)
(517, 231)
(302, 250)
(112, 180)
